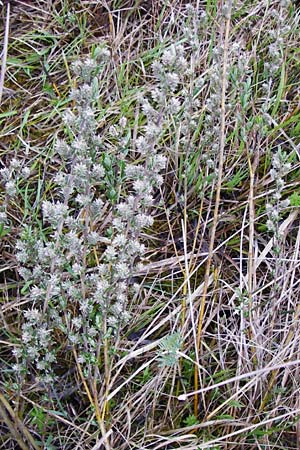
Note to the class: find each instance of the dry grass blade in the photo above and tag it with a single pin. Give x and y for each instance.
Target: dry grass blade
(4, 50)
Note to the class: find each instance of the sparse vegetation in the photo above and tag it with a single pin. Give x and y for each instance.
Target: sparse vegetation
(149, 225)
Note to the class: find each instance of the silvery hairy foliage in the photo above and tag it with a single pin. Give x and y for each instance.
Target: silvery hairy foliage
(9, 177)
(80, 273)
(79, 276)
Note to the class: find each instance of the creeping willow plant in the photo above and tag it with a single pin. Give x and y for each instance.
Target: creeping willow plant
(79, 278)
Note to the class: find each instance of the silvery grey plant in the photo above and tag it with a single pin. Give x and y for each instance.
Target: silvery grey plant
(79, 276)
(9, 177)
(79, 273)
(275, 53)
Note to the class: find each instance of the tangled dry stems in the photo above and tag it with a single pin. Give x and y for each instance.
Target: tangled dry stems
(215, 303)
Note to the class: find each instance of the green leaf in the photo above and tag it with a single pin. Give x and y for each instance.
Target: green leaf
(280, 90)
(8, 114)
(191, 420)
(146, 375)
(3, 230)
(236, 404)
(294, 199)
(169, 347)
(225, 416)
(24, 289)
